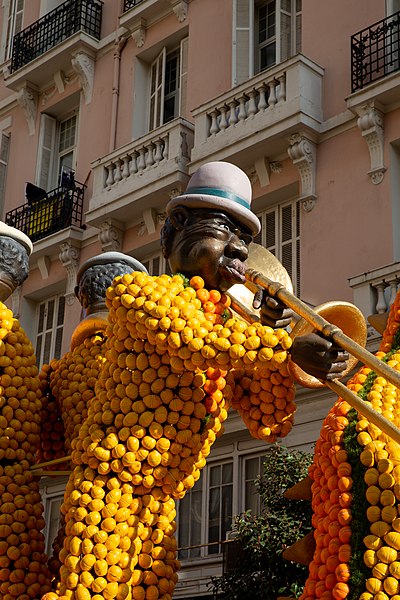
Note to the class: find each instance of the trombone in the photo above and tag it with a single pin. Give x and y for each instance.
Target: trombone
(318, 322)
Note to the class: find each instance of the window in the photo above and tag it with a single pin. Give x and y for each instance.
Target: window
(392, 6)
(280, 234)
(13, 13)
(266, 32)
(206, 513)
(155, 264)
(52, 497)
(50, 323)
(56, 152)
(4, 151)
(168, 85)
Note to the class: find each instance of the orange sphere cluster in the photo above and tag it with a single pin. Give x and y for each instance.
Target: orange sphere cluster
(23, 573)
(161, 399)
(332, 496)
(334, 489)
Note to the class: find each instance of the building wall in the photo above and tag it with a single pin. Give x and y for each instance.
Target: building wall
(348, 234)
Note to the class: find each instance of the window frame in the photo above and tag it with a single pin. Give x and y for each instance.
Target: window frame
(49, 154)
(245, 52)
(13, 17)
(156, 94)
(238, 458)
(53, 329)
(280, 244)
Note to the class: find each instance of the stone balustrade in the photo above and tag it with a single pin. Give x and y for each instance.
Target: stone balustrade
(145, 167)
(273, 104)
(375, 291)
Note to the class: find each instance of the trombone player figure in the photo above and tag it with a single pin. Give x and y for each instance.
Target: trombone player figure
(208, 232)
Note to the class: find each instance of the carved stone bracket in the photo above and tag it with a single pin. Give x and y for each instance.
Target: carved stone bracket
(151, 219)
(370, 123)
(110, 236)
(83, 65)
(303, 153)
(139, 32)
(28, 101)
(69, 258)
(180, 8)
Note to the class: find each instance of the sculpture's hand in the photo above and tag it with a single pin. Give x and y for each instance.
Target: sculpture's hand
(273, 312)
(319, 356)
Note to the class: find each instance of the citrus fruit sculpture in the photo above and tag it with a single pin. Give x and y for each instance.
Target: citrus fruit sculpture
(23, 569)
(356, 491)
(175, 358)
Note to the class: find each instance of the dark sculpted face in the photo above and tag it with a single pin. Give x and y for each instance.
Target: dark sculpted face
(210, 244)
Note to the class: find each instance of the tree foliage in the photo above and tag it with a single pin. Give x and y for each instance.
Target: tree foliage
(260, 571)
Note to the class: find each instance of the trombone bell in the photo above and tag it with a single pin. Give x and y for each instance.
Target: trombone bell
(344, 315)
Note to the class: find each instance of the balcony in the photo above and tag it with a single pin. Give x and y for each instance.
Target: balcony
(59, 209)
(257, 118)
(374, 292)
(128, 4)
(140, 14)
(375, 63)
(73, 26)
(140, 175)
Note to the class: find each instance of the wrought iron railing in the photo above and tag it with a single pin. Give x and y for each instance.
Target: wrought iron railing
(375, 52)
(131, 3)
(55, 27)
(60, 208)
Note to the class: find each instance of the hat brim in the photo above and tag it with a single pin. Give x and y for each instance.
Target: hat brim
(240, 213)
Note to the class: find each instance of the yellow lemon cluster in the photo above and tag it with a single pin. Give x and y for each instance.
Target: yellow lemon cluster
(23, 573)
(381, 457)
(160, 402)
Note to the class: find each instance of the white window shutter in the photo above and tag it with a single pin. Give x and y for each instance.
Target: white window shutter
(157, 81)
(284, 27)
(4, 151)
(243, 41)
(46, 152)
(183, 72)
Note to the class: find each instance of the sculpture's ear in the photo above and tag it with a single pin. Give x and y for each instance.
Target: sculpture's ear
(179, 217)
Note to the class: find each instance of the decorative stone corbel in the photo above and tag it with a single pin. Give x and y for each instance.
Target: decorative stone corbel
(263, 170)
(69, 258)
(139, 32)
(43, 264)
(28, 101)
(59, 81)
(150, 220)
(303, 153)
(180, 8)
(370, 123)
(83, 65)
(110, 236)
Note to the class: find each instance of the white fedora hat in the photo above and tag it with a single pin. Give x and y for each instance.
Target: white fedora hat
(223, 186)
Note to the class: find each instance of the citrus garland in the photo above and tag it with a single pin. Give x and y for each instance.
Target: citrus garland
(23, 571)
(68, 388)
(175, 357)
(356, 491)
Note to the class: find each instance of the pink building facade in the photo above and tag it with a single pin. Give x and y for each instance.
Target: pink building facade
(107, 108)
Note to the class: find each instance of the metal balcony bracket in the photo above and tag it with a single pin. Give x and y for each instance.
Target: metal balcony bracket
(83, 65)
(110, 236)
(139, 32)
(370, 123)
(180, 8)
(28, 101)
(69, 258)
(303, 153)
